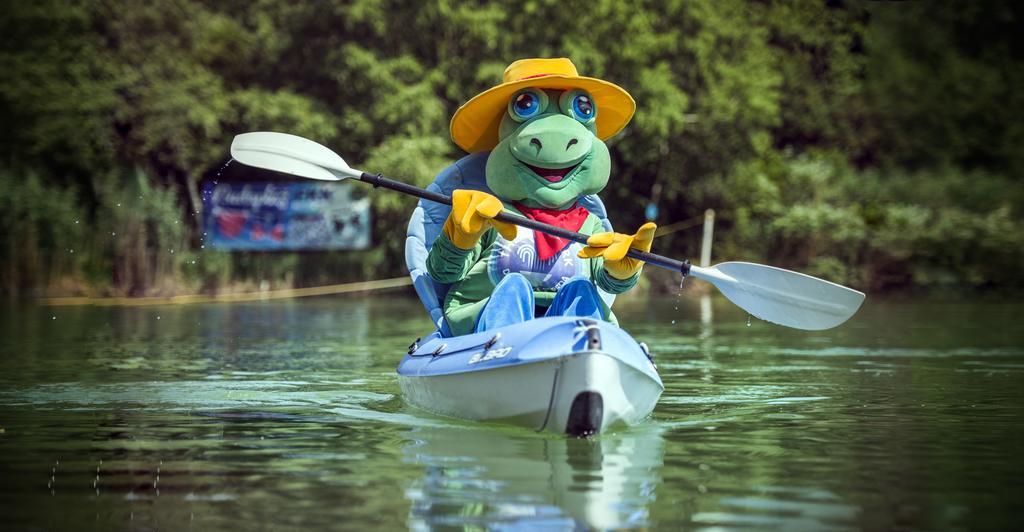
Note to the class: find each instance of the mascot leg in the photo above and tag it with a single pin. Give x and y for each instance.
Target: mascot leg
(578, 297)
(511, 302)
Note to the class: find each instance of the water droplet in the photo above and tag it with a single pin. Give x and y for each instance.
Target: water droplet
(158, 317)
(53, 317)
(673, 322)
(748, 320)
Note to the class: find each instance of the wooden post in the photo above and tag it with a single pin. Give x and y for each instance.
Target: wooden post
(705, 243)
(706, 315)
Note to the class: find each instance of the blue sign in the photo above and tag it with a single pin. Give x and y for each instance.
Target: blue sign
(284, 216)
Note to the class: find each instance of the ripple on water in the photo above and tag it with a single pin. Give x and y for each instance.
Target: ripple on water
(211, 394)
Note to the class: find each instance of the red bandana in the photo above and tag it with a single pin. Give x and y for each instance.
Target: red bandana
(572, 219)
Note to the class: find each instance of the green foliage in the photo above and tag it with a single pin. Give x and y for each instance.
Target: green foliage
(944, 87)
(58, 93)
(210, 269)
(875, 143)
(42, 230)
(874, 229)
(140, 230)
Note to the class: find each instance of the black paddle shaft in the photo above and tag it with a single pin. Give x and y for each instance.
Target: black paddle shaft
(505, 216)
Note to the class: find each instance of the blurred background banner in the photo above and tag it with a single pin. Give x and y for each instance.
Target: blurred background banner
(274, 216)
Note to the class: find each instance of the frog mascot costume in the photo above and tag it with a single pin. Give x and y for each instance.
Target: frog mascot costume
(544, 128)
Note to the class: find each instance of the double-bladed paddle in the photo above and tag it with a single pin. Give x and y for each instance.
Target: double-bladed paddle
(768, 293)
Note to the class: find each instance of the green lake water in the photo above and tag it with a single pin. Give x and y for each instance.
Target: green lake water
(287, 415)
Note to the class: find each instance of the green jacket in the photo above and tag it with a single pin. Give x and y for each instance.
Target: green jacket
(474, 273)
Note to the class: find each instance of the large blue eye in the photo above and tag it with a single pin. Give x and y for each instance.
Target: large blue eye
(527, 104)
(579, 105)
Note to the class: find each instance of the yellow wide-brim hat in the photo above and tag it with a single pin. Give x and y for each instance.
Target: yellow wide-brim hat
(475, 125)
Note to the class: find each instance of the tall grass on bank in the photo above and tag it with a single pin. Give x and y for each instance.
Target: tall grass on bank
(141, 233)
(130, 239)
(43, 232)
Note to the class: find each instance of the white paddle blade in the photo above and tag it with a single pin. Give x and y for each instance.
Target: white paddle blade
(290, 154)
(782, 296)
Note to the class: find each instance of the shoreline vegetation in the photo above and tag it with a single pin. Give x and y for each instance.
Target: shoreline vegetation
(876, 145)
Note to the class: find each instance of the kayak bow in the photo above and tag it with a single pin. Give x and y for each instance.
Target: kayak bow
(568, 375)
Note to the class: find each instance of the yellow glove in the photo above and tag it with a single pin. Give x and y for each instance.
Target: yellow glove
(473, 213)
(614, 246)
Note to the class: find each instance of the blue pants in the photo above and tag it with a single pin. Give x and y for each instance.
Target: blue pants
(512, 302)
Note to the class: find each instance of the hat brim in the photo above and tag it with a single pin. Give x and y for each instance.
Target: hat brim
(475, 125)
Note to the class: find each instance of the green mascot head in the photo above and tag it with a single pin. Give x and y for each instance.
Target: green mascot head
(545, 127)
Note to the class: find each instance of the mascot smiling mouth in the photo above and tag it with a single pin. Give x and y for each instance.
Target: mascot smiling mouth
(553, 175)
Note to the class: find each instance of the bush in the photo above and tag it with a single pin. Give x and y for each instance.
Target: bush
(877, 229)
(43, 231)
(140, 230)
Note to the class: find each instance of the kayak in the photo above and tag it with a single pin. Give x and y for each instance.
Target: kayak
(565, 374)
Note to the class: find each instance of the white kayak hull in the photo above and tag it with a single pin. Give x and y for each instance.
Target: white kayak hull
(564, 375)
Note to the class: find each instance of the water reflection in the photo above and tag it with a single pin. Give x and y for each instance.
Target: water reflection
(502, 479)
